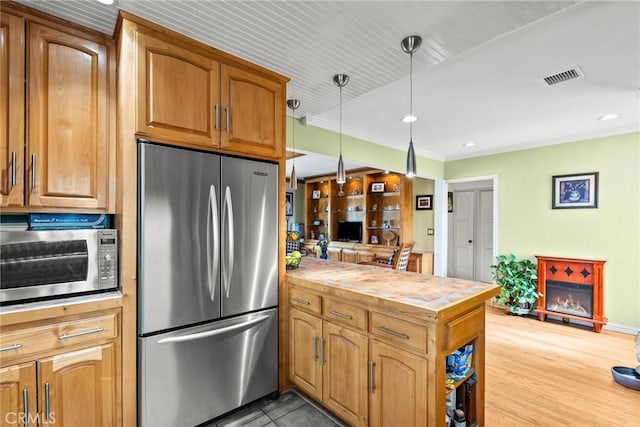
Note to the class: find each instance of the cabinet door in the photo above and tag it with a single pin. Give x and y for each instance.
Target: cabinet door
(79, 388)
(400, 394)
(68, 143)
(344, 378)
(18, 394)
(253, 116)
(11, 110)
(178, 93)
(305, 370)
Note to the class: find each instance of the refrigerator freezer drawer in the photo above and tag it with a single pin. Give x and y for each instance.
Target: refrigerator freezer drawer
(192, 375)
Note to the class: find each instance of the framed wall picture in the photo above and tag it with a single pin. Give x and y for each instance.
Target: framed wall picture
(575, 191)
(377, 187)
(288, 206)
(423, 203)
(315, 194)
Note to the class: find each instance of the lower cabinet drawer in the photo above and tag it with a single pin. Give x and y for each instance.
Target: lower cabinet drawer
(463, 329)
(347, 314)
(25, 341)
(399, 331)
(305, 301)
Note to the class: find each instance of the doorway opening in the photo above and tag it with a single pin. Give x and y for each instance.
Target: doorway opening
(472, 228)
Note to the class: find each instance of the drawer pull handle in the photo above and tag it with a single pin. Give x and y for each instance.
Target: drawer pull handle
(340, 315)
(79, 334)
(394, 333)
(372, 380)
(11, 347)
(301, 301)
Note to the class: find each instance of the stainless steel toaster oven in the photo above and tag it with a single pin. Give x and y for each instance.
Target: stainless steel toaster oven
(56, 263)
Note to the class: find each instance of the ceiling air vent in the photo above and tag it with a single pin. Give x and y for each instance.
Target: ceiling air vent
(572, 73)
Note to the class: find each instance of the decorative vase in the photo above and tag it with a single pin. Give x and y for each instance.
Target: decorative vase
(323, 253)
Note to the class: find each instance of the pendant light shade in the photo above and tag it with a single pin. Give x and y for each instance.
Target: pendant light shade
(293, 179)
(341, 81)
(410, 45)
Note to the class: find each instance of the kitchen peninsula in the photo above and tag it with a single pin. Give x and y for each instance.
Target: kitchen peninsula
(371, 344)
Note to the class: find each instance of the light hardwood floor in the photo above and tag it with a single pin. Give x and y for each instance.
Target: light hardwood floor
(550, 374)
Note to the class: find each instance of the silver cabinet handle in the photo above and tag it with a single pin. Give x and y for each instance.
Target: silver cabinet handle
(213, 241)
(227, 208)
(226, 111)
(13, 168)
(315, 348)
(79, 334)
(25, 406)
(301, 301)
(216, 108)
(33, 171)
(322, 359)
(340, 315)
(372, 380)
(213, 332)
(47, 403)
(11, 347)
(394, 333)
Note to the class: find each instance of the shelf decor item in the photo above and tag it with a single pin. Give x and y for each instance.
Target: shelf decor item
(315, 194)
(575, 191)
(377, 187)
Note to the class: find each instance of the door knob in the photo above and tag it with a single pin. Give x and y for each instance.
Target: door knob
(470, 241)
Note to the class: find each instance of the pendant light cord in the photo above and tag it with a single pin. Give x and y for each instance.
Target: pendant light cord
(341, 120)
(411, 96)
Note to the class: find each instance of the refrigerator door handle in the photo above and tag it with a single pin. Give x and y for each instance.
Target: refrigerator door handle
(213, 241)
(213, 332)
(228, 271)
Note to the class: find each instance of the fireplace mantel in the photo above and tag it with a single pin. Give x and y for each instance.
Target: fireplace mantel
(571, 288)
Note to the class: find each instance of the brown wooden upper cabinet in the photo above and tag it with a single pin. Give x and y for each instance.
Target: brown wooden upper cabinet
(67, 159)
(189, 96)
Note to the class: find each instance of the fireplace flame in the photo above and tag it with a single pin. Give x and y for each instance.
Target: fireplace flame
(568, 304)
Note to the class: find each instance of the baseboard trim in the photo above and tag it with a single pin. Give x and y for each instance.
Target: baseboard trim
(623, 329)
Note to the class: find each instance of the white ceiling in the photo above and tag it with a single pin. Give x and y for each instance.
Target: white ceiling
(477, 77)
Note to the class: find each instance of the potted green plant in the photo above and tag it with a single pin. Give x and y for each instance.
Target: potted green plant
(518, 281)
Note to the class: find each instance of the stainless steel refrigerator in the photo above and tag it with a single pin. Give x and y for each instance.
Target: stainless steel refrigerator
(207, 284)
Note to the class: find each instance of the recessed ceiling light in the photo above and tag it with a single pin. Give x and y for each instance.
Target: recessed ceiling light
(106, 1)
(469, 144)
(409, 118)
(610, 116)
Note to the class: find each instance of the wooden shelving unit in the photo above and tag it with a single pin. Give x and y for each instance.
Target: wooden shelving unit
(390, 209)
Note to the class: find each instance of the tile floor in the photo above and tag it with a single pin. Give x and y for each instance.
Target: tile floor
(289, 410)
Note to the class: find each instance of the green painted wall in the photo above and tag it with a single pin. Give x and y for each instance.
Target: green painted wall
(527, 225)
(322, 141)
(422, 219)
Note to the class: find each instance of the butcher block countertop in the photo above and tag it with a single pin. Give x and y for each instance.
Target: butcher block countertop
(419, 295)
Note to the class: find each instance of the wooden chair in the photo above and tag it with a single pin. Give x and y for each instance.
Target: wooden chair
(399, 260)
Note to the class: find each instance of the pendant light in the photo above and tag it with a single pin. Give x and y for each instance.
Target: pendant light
(341, 81)
(410, 45)
(293, 180)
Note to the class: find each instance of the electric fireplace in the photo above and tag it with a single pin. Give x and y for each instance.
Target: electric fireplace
(571, 289)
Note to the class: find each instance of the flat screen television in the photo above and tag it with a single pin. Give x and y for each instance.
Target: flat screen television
(350, 231)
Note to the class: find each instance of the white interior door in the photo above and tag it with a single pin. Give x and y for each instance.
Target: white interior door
(484, 239)
(463, 234)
